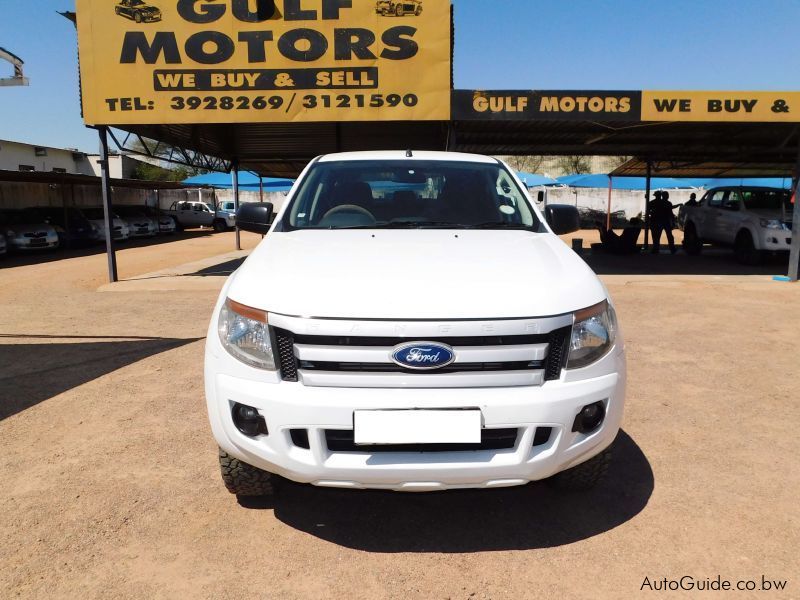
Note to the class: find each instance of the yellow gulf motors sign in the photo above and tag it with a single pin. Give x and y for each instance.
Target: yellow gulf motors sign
(244, 61)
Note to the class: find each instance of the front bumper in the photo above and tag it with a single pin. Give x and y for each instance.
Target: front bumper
(776, 240)
(145, 231)
(287, 406)
(26, 244)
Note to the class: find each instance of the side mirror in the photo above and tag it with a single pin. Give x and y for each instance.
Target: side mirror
(255, 217)
(562, 218)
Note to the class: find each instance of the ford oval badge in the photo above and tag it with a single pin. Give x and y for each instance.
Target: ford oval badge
(423, 355)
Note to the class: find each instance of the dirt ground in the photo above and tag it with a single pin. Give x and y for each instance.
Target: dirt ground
(110, 483)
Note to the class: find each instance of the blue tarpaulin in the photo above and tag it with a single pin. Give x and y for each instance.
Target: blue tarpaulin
(533, 180)
(625, 183)
(247, 181)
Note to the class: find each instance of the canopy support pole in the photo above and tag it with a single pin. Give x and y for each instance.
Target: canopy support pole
(105, 185)
(794, 253)
(647, 205)
(235, 174)
(608, 212)
(260, 188)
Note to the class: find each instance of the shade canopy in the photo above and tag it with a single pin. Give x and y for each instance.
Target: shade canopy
(247, 181)
(533, 180)
(625, 183)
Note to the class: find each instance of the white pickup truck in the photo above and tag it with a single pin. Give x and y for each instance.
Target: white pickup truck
(753, 220)
(412, 322)
(189, 214)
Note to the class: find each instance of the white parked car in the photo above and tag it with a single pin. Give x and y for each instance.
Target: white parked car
(424, 340)
(139, 224)
(753, 220)
(199, 214)
(24, 235)
(120, 232)
(166, 223)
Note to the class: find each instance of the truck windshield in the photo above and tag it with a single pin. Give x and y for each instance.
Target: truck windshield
(409, 195)
(767, 200)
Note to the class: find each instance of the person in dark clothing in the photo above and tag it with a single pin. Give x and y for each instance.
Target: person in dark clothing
(662, 219)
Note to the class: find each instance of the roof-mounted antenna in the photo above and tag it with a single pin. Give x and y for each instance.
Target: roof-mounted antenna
(409, 154)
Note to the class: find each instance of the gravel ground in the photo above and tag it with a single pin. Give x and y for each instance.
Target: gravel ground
(111, 486)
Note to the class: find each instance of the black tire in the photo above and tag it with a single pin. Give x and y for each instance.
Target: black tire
(243, 479)
(418, 12)
(137, 17)
(745, 249)
(692, 244)
(398, 11)
(584, 476)
(219, 226)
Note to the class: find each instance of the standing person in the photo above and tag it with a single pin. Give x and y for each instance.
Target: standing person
(662, 219)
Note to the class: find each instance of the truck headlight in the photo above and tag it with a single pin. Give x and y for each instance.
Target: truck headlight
(772, 224)
(244, 333)
(593, 333)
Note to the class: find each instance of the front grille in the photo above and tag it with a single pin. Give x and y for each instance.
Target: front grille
(557, 353)
(287, 361)
(38, 234)
(491, 439)
(289, 364)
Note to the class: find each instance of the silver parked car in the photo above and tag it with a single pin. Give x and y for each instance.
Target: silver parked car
(138, 222)
(25, 235)
(3, 247)
(166, 223)
(120, 230)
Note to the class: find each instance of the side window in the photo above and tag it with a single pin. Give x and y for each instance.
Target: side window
(733, 201)
(715, 201)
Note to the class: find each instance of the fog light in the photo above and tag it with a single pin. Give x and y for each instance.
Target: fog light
(590, 418)
(248, 421)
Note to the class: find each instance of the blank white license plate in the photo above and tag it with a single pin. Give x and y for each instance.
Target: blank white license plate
(417, 426)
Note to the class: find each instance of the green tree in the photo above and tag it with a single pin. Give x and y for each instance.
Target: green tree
(574, 164)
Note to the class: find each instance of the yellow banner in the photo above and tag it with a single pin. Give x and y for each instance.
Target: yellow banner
(249, 61)
(755, 107)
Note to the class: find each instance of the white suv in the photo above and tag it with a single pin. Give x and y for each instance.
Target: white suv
(754, 220)
(411, 322)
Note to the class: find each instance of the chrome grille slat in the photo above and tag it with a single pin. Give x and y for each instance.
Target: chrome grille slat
(381, 354)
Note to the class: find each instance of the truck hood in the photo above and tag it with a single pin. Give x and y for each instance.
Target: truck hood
(766, 213)
(415, 274)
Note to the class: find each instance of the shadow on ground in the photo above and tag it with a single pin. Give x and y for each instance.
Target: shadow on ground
(713, 261)
(220, 270)
(18, 259)
(521, 518)
(33, 373)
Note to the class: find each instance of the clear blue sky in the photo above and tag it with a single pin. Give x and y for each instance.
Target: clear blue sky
(505, 44)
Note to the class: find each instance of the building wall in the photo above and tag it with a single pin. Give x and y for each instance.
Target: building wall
(14, 154)
(21, 195)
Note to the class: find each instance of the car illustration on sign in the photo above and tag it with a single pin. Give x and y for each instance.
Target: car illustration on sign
(390, 8)
(138, 10)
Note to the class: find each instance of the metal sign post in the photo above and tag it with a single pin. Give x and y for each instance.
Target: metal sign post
(235, 175)
(105, 185)
(794, 253)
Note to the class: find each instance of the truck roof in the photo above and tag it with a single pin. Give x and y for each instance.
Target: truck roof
(401, 155)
